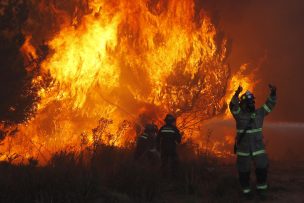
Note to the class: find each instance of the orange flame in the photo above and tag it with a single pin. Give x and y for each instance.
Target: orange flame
(239, 79)
(122, 59)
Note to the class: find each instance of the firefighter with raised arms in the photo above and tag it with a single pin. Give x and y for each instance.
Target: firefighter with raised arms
(249, 140)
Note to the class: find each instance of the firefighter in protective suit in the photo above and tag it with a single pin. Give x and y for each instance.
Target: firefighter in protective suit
(145, 144)
(249, 140)
(167, 138)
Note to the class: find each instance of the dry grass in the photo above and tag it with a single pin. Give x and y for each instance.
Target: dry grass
(111, 175)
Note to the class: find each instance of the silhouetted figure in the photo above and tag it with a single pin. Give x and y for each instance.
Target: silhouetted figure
(146, 145)
(167, 138)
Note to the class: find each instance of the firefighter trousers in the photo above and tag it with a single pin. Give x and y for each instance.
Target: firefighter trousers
(261, 170)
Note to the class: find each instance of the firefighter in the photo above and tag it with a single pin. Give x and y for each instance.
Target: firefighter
(249, 140)
(167, 138)
(145, 144)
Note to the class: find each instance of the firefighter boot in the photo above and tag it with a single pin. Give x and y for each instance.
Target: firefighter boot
(261, 177)
(244, 178)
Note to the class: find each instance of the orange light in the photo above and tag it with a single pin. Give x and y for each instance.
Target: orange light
(122, 60)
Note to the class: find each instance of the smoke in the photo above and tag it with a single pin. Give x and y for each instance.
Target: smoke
(268, 34)
(283, 139)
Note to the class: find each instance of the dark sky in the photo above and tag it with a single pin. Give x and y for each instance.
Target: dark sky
(270, 31)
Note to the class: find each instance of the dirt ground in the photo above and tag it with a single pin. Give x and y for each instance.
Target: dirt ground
(286, 182)
(286, 185)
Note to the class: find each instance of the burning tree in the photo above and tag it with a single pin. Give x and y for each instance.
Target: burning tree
(117, 60)
(16, 90)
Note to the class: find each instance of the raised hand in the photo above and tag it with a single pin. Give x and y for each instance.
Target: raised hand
(273, 89)
(239, 90)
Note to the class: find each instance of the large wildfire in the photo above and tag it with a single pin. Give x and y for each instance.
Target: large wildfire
(103, 69)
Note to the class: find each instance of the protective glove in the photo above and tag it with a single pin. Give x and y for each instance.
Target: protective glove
(273, 90)
(239, 90)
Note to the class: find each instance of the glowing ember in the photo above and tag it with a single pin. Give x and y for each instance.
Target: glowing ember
(118, 65)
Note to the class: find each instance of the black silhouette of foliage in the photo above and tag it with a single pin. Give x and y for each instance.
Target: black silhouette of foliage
(16, 91)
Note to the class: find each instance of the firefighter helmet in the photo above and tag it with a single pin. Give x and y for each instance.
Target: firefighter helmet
(247, 97)
(247, 101)
(149, 128)
(169, 119)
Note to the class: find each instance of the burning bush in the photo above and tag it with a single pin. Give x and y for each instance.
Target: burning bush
(114, 60)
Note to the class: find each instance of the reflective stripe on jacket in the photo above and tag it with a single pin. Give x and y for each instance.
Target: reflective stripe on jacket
(167, 138)
(252, 142)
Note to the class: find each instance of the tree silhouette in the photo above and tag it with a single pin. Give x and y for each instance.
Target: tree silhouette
(16, 91)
